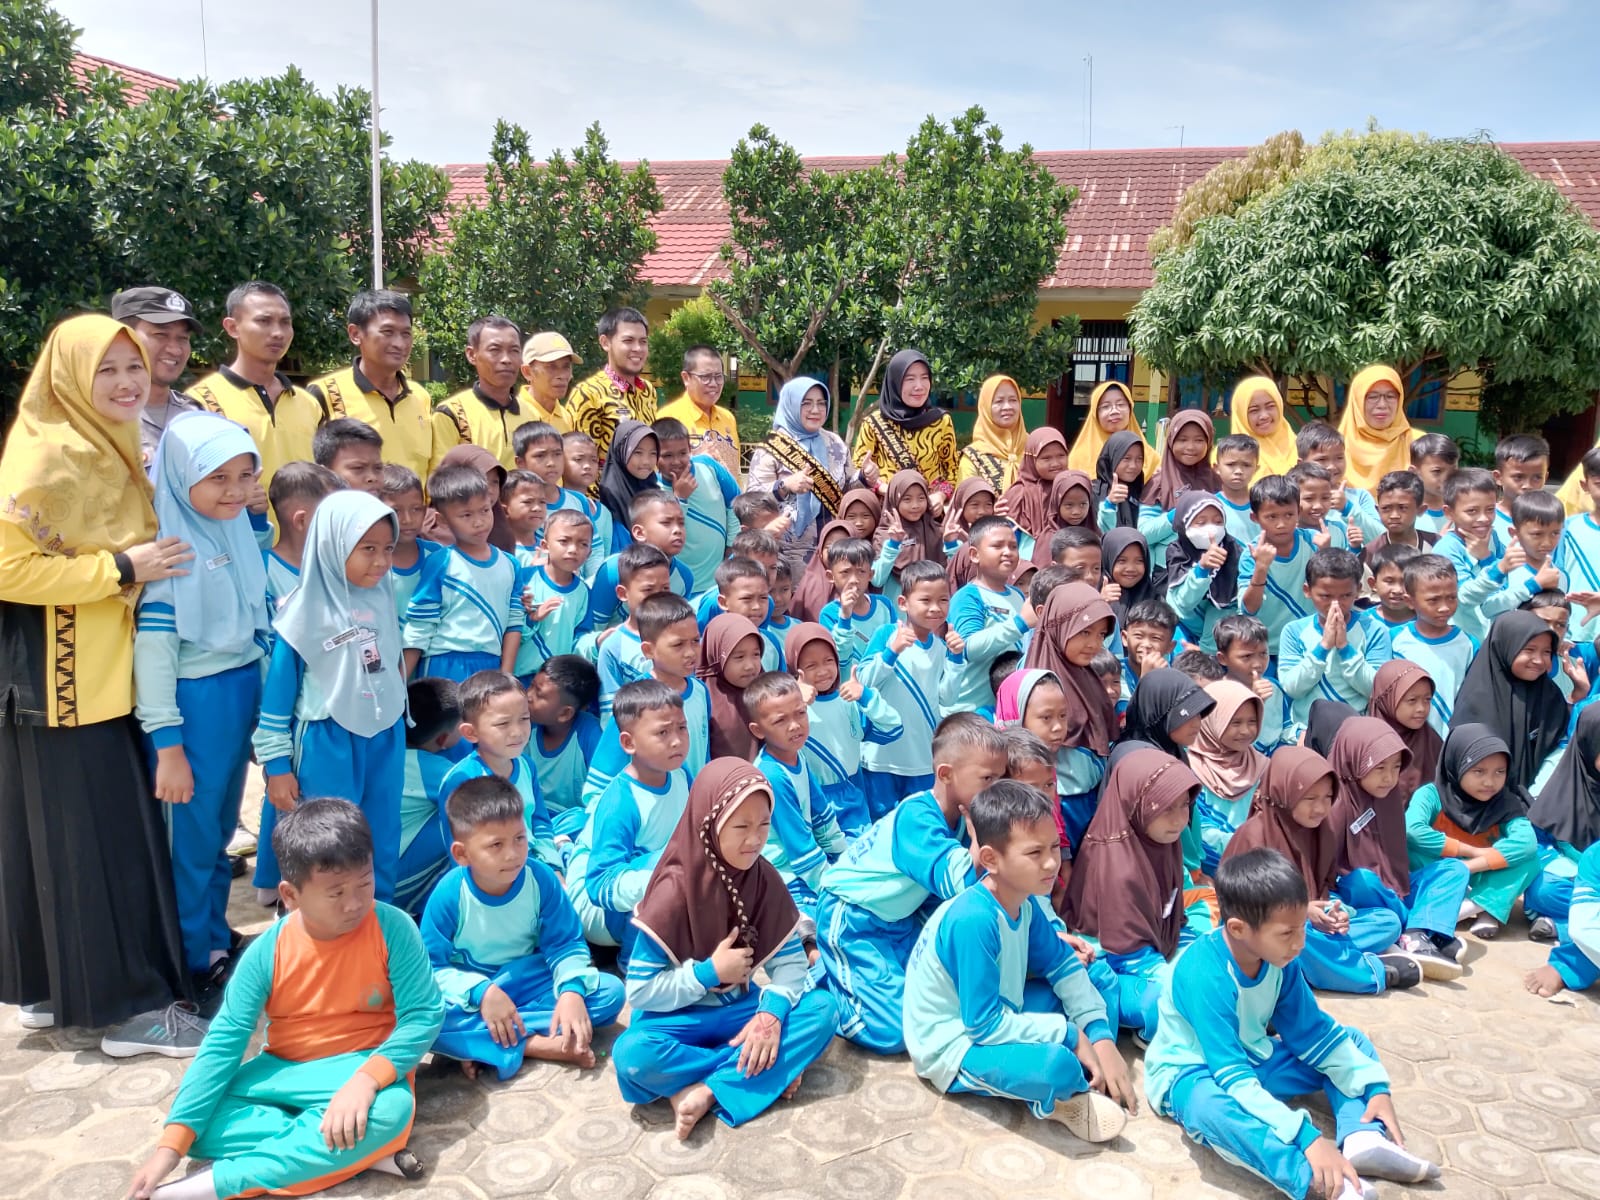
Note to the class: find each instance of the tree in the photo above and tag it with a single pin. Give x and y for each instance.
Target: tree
(1435, 256)
(697, 323)
(198, 188)
(552, 247)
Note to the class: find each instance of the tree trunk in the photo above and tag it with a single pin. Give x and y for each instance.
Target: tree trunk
(859, 411)
(833, 391)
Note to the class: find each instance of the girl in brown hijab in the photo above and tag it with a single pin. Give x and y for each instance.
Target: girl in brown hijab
(974, 499)
(907, 523)
(1291, 817)
(704, 1035)
(1186, 465)
(1126, 889)
(1027, 501)
(1370, 759)
(1402, 698)
(1069, 505)
(815, 586)
(730, 661)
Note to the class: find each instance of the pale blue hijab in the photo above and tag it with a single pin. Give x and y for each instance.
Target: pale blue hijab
(221, 604)
(335, 627)
(787, 418)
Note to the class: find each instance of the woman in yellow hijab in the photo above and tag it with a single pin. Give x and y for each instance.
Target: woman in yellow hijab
(1110, 411)
(1257, 410)
(995, 452)
(1377, 436)
(86, 946)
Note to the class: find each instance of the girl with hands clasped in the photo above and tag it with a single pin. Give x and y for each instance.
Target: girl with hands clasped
(703, 1035)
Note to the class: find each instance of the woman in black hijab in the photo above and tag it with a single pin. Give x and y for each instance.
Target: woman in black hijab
(1508, 688)
(909, 432)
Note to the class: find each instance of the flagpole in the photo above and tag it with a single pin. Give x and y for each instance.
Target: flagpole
(377, 165)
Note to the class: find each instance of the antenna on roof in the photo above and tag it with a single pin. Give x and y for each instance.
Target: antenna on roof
(1179, 128)
(1088, 60)
(205, 58)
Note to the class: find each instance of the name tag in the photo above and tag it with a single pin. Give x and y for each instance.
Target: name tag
(340, 639)
(1171, 900)
(1362, 821)
(220, 560)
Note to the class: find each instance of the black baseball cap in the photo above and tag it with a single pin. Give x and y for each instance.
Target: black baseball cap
(158, 305)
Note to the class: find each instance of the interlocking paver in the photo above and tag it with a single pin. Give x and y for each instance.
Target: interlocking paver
(1493, 1083)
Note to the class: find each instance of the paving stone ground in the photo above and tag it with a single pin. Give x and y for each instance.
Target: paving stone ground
(1497, 1085)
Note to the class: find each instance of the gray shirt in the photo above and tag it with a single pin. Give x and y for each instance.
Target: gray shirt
(153, 421)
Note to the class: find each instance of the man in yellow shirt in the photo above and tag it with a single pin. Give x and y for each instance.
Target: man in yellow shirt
(487, 413)
(617, 390)
(547, 362)
(374, 388)
(712, 430)
(250, 390)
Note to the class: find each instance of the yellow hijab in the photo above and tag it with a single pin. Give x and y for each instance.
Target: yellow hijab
(74, 480)
(1092, 438)
(988, 438)
(1277, 452)
(1370, 454)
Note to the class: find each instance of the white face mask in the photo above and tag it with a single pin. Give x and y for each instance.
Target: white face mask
(1206, 536)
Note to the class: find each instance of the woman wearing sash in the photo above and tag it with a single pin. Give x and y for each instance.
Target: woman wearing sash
(909, 432)
(805, 467)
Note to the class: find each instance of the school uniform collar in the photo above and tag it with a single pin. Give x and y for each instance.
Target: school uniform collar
(366, 385)
(240, 382)
(494, 405)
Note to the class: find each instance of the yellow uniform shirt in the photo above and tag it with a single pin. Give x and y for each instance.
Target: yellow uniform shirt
(597, 404)
(282, 429)
(559, 416)
(403, 423)
(715, 433)
(470, 416)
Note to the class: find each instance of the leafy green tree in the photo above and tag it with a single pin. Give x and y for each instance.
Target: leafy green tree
(697, 323)
(554, 245)
(1435, 256)
(198, 188)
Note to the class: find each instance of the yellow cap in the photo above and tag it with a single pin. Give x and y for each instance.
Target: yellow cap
(547, 347)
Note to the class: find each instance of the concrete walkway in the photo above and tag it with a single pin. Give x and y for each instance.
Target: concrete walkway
(1498, 1086)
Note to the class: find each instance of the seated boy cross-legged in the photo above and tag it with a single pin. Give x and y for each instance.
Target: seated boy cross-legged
(1214, 1067)
(506, 947)
(351, 1007)
(973, 1020)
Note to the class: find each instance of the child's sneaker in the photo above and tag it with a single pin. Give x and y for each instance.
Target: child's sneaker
(37, 1016)
(1090, 1116)
(175, 1031)
(1542, 929)
(1434, 964)
(1400, 971)
(1370, 1153)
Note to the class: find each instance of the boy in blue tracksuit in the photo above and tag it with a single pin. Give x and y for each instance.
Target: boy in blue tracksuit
(1575, 963)
(1335, 652)
(1214, 1068)
(657, 521)
(855, 613)
(555, 599)
(915, 671)
(506, 948)
(1272, 570)
(1431, 639)
(561, 698)
(870, 902)
(1482, 559)
(996, 1004)
(706, 490)
(634, 817)
(988, 613)
(642, 571)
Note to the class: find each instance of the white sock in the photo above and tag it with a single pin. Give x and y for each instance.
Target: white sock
(198, 1186)
(266, 897)
(1376, 1155)
(1469, 909)
(386, 1164)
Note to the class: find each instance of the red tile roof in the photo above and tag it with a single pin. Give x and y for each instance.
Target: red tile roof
(1123, 197)
(136, 84)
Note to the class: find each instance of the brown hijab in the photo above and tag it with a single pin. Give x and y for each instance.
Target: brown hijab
(922, 537)
(1271, 824)
(1227, 774)
(863, 496)
(479, 459)
(730, 727)
(1071, 609)
(1127, 891)
(802, 635)
(695, 897)
(1393, 681)
(1059, 487)
(1028, 499)
(962, 567)
(815, 588)
(1371, 829)
(1172, 479)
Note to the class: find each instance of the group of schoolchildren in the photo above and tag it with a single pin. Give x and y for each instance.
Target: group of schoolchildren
(990, 777)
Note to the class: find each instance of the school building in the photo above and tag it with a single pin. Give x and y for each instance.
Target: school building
(1124, 196)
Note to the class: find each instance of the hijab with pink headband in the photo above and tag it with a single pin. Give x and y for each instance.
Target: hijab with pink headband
(1027, 500)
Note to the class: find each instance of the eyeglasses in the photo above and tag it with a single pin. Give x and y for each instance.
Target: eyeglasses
(712, 380)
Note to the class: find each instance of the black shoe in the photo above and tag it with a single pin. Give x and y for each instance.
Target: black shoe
(1434, 963)
(1542, 929)
(408, 1164)
(1400, 971)
(209, 985)
(238, 867)
(236, 941)
(1450, 947)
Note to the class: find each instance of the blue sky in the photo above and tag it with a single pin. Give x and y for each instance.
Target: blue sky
(686, 78)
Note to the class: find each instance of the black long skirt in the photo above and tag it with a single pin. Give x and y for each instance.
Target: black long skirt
(88, 920)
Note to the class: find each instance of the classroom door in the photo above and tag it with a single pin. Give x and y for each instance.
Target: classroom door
(1100, 353)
